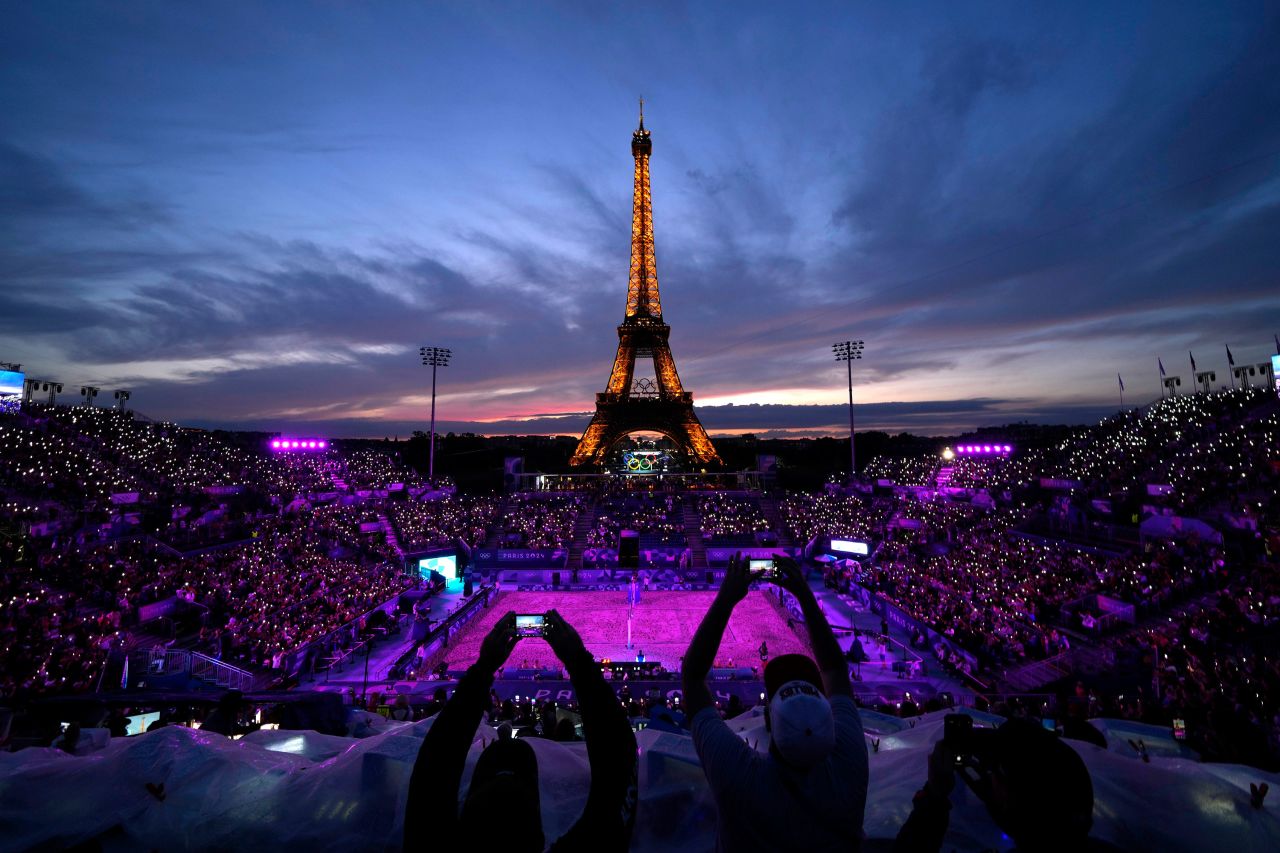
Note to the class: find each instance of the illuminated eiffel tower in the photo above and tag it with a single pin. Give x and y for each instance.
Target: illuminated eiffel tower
(660, 405)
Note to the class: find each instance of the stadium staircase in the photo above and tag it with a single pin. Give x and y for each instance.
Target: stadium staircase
(393, 539)
(769, 509)
(581, 528)
(1031, 676)
(494, 540)
(693, 535)
(943, 478)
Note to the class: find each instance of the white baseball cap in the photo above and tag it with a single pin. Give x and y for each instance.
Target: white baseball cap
(801, 723)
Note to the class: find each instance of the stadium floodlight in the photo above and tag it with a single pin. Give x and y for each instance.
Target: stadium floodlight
(847, 351)
(435, 357)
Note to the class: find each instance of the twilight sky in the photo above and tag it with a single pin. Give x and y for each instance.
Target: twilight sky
(253, 214)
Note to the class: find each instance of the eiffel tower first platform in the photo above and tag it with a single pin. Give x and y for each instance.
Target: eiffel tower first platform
(661, 405)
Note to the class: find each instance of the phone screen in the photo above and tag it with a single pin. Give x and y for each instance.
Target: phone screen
(1179, 729)
(530, 625)
(760, 566)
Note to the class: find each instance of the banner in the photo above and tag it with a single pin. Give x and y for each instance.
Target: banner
(1050, 483)
(724, 555)
(561, 690)
(517, 558)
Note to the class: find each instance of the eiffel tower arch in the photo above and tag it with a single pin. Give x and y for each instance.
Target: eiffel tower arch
(628, 405)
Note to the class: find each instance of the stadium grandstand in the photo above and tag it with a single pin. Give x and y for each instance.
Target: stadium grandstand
(260, 611)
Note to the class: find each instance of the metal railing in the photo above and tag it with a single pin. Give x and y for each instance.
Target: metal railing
(222, 674)
(163, 661)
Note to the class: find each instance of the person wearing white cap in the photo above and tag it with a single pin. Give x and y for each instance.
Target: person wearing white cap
(809, 792)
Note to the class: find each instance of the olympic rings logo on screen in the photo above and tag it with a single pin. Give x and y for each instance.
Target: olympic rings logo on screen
(639, 464)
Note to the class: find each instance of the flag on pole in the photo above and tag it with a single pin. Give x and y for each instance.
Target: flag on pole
(1161, 363)
(1120, 380)
(1230, 361)
(1193, 360)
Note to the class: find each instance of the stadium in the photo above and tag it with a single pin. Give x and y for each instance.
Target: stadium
(644, 633)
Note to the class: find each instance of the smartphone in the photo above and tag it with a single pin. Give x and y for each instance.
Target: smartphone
(957, 732)
(1179, 729)
(764, 567)
(531, 625)
(1050, 723)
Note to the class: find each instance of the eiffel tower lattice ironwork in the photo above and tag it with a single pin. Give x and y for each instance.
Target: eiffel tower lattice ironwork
(660, 405)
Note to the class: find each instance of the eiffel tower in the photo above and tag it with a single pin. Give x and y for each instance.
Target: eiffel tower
(660, 405)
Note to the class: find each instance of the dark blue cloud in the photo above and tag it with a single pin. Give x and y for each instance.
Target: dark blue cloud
(257, 217)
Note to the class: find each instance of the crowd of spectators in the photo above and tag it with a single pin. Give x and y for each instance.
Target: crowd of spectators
(277, 550)
(727, 515)
(913, 470)
(425, 524)
(539, 521)
(658, 518)
(834, 514)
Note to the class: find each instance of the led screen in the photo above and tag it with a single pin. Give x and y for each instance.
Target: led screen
(444, 564)
(846, 546)
(138, 722)
(1275, 372)
(11, 382)
(10, 389)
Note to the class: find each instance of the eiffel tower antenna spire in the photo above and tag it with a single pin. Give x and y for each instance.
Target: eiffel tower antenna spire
(663, 405)
(642, 286)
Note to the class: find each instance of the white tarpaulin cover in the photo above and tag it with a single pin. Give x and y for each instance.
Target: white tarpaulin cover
(285, 790)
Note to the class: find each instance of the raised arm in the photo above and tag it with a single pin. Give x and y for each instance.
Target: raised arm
(706, 640)
(826, 651)
(431, 812)
(609, 815)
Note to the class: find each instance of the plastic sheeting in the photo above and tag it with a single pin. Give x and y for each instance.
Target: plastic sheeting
(290, 790)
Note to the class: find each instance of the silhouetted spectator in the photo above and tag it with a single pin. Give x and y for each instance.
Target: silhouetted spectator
(1035, 787)
(809, 792)
(501, 811)
(225, 719)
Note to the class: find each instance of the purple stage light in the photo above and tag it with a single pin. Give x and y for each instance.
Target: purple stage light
(984, 449)
(287, 444)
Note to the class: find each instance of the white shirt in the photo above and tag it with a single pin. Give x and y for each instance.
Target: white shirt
(758, 810)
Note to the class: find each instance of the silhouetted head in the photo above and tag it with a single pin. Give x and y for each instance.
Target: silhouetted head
(1035, 786)
(798, 716)
(503, 810)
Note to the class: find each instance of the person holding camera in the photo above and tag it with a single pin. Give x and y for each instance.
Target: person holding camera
(809, 792)
(1035, 787)
(502, 809)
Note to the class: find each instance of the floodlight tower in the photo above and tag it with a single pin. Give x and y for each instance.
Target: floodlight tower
(89, 392)
(122, 397)
(436, 357)
(848, 351)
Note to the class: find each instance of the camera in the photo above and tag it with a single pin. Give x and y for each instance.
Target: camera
(531, 625)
